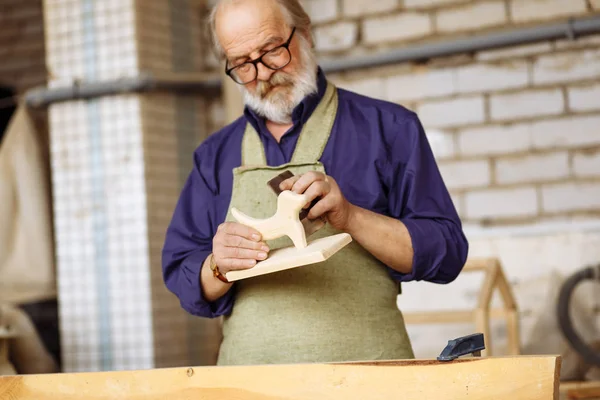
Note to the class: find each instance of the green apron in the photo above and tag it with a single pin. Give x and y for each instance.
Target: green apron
(342, 309)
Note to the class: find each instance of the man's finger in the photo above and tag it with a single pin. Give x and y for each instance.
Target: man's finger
(288, 183)
(241, 253)
(316, 189)
(306, 180)
(232, 264)
(240, 241)
(320, 208)
(236, 229)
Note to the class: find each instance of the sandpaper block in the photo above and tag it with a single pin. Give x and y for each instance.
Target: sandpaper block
(310, 226)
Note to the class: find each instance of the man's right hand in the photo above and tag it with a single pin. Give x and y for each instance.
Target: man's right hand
(237, 246)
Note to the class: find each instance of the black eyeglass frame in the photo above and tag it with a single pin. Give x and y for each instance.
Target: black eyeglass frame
(255, 62)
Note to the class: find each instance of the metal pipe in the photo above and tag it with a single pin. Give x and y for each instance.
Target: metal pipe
(137, 84)
(570, 29)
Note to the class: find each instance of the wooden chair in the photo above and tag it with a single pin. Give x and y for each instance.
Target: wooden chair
(494, 278)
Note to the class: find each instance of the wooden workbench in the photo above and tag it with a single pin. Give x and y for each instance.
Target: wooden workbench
(514, 378)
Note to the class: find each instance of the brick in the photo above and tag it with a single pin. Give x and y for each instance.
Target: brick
(584, 98)
(567, 67)
(515, 52)
(372, 87)
(454, 112)
(571, 196)
(531, 168)
(465, 174)
(357, 8)
(586, 164)
(335, 37)
(566, 132)
(531, 103)
(579, 43)
(502, 203)
(396, 27)
(471, 16)
(321, 10)
(442, 143)
(529, 10)
(492, 140)
(420, 85)
(484, 77)
(430, 3)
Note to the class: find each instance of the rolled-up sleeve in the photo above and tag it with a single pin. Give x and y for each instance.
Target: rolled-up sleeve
(188, 242)
(419, 198)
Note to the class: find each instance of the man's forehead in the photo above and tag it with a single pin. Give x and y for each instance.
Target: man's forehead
(243, 28)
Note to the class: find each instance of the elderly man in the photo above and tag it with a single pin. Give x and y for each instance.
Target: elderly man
(368, 165)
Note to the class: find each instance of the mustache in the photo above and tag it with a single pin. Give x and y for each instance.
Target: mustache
(277, 79)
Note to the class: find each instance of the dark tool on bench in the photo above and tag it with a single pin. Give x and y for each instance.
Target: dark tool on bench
(462, 346)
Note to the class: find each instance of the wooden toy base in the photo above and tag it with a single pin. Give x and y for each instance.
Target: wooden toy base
(291, 257)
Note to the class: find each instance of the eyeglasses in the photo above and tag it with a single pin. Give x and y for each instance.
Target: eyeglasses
(274, 59)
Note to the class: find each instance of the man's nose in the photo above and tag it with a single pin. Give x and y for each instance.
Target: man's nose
(264, 73)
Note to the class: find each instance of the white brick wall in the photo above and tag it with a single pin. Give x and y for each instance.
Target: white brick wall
(321, 11)
(442, 143)
(355, 8)
(430, 3)
(584, 98)
(336, 37)
(567, 67)
(465, 174)
(420, 85)
(498, 203)
(454, 112)
(532, 103)
(484, 77)
(586, 164)
(571, 197)
(471, 16)
(512, 53)
(396, 27)
(535, 167)
(527, 10)
(372, 87)
(493, 140)
(566, 132)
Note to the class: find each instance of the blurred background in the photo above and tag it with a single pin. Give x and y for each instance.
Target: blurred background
(104, 101)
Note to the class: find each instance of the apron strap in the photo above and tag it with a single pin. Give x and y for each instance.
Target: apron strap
(316, 131)
(312, 140)
(253, 152)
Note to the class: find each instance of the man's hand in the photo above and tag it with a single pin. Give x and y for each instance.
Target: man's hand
(385, 238)
(236, 246)
(332, 205)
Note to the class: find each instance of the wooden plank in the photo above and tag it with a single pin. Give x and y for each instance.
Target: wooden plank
(450, 316)
(580, 390)
(317, 250)
(514, 378)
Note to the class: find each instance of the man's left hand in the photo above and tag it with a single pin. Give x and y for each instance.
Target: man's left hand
(332, 204)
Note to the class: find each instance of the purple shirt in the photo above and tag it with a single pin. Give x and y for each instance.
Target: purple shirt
(378, 154)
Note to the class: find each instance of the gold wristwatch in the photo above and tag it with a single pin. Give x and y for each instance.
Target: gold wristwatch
(215, 270)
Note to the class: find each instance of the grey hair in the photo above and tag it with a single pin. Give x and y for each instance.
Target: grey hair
(292, 10)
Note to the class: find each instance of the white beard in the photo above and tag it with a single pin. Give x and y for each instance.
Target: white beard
(278, 106)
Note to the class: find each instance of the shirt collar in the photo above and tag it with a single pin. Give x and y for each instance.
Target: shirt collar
(301, 112)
